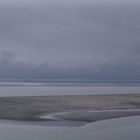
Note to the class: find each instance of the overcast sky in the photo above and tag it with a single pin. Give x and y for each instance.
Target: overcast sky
(81, 39)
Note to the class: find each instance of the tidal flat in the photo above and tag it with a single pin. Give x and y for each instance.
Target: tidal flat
(78, 108)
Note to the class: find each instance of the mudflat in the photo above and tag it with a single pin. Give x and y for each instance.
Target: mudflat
(87, 108)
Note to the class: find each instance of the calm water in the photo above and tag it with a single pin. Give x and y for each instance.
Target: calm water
(36, 89)
(115, 129)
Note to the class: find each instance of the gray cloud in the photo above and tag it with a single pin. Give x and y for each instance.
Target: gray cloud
(87, 40)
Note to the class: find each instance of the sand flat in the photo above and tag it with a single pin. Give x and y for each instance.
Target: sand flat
(77, 106)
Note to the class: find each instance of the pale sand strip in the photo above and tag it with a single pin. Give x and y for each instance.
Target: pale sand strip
(91, 116)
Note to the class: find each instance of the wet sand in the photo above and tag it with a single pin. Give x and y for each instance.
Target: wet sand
(86, 108)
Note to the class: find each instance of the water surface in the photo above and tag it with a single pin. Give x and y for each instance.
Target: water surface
(115, 129)
(52, 89)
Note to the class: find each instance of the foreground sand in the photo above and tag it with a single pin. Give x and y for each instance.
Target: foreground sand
(87, 108)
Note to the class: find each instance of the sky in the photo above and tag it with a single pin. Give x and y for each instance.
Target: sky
(70, 39)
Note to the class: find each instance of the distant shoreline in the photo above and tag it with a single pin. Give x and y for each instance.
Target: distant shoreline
(68, 83)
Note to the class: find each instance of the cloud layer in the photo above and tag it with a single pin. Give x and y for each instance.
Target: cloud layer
(83, 39)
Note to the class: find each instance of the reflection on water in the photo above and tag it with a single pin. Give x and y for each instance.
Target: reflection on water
(70, 89)
(115, 129)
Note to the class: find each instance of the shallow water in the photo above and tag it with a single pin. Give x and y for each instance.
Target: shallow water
(115, 129)
(67, 89)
